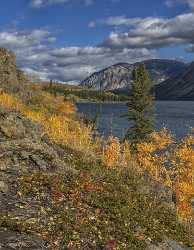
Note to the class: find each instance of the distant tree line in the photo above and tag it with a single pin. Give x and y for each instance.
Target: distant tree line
(76, 93)
(102, 96)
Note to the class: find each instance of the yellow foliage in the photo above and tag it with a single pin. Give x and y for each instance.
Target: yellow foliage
(167, 161)
(112, 152)
(126, 154)
(171, 163)
(46, 101)
(10, 102)
(185, 193)
(51, 114)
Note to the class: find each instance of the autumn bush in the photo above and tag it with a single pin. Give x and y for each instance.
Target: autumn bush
(167, 161)
(101, 206)
(58, 119)
(112, 152)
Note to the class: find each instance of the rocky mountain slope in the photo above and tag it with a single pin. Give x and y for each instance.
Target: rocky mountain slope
(180, 87)
(24, 151)
(119, 76)
(38, 206)
(11, 78)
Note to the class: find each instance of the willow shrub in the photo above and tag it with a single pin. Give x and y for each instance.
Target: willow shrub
(167, 161)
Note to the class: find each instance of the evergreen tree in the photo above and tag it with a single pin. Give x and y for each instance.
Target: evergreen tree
(140, 106)
(51, 85)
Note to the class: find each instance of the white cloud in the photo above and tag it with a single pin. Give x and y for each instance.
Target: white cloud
(46, 3)
(152, 33)
(115, 21)
(36, 56)
(36, 53)
(23, 39)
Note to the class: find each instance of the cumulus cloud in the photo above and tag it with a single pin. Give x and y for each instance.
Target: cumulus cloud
(37, 56)
(22, 39)
(153, 33)
(45, 3)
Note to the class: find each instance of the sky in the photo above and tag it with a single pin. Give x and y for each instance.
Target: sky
(68, 40)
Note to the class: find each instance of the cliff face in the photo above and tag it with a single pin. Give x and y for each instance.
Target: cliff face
(114, 77)
(10, 76)
(119, 76)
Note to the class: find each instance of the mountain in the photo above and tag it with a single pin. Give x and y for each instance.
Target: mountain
(180, 87)
(119, 76)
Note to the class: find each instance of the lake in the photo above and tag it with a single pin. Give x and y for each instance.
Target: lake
(177, 116)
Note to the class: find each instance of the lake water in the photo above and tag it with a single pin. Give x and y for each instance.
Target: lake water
(177, 116)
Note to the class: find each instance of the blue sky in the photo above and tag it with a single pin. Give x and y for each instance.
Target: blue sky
(67, 40)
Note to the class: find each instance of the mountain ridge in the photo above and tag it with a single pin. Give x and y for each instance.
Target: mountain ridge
(119, 75)
(180, 87)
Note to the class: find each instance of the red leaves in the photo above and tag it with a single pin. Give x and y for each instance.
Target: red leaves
(70, 245)
(84, 175)
(111, 244)
(92, 187)
(57, 196)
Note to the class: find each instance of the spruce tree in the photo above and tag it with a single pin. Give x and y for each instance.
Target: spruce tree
(140, 106)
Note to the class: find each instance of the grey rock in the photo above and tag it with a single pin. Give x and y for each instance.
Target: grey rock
(167, 244)
(23, 151)
(9, 73)
(12, 240)
(119, 76)
(3, 187)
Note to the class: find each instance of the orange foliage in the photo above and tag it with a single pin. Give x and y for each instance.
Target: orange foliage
(112, 152)
(52, 115)
(173, 164)
(126, 154)
(10, 102)
(166, 160)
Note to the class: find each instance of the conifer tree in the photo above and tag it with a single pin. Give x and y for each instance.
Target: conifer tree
(140, 106)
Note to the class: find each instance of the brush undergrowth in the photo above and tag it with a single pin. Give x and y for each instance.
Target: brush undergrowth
(102, 207)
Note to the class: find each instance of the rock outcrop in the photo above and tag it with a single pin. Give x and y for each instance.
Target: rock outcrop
(24, 149)
(11, 78)
(119, 76)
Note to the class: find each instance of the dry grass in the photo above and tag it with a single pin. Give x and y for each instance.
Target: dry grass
(56, 116)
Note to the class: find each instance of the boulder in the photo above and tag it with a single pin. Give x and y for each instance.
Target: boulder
(167, 244)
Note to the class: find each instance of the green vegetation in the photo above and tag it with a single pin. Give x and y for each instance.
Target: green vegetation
(89, 204)
(74, 190)
(98, 207)
(140, 106)
(79, 94)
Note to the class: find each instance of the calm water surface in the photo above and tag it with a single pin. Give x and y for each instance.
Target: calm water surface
(177, 116)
